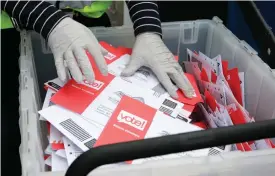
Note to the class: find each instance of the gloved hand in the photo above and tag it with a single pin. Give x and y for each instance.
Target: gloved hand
(150, 51)
(68, 42)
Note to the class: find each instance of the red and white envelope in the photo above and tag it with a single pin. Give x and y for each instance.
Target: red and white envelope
(56, 141)
(133, 120)
(55, 85)
(97, 101)
(145, 78)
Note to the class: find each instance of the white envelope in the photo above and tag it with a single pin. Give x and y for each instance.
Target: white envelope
(71, 150)
(100, 110)
(209, 117)
(143, 77)
(73, 126)
(55, 136)
(61, 153)
(47, 101)
(58, 163)
(48, 161)
(241, 76)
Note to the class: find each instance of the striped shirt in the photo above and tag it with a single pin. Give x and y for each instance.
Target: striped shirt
(42, 16)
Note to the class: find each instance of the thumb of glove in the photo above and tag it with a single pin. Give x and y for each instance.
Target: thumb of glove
(132, 67)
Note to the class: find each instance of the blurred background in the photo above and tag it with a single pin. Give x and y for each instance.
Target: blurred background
(237, 16)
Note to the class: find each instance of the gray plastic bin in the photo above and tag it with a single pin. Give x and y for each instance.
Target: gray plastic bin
(208, 36)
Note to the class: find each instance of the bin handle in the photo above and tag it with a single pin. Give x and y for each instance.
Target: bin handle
(126, 151)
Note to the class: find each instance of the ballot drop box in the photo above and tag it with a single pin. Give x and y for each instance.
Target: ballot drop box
(208, 36)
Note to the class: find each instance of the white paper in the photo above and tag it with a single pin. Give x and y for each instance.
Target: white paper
(48, 161)
(218, 60)
(261, 144)
(224, 114)
(55, 136)
(58, 163)
(210, 62)
(230, 99)
(219, 119)
(73, 126)
(48, 150)
(47, 101)
(241, 76)
(143, 77)
(61, 153)
(162, 126)
(217, 91)
(71, 150)
(101, 109)
(209, 117)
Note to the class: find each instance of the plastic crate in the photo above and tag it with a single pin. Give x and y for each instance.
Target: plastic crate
(208, 36)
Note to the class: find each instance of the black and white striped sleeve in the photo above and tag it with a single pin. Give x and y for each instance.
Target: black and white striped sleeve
(40, 16)
(145, 16)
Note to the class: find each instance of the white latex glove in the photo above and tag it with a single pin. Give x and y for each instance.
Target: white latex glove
(68, 42)
(150, 51)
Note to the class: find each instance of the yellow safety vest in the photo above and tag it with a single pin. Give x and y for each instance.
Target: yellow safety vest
(5, 21)
(95, 10)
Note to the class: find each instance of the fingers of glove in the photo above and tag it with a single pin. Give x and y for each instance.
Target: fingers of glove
(132, 67)
(96, 51)
(84, 64)
(73, 66)
(165, 81)
(183, 83)
(61, 69)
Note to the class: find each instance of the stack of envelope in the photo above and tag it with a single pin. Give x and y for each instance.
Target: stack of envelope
(115, 109)
(223, 92)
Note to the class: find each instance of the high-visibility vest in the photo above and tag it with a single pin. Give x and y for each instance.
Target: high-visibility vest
(5, 21)
(91, 9)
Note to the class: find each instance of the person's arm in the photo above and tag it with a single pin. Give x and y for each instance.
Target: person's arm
(40, 16)
(67, 38)
(145, 16)
(149, 50)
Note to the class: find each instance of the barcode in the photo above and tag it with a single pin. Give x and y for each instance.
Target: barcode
(90, 143)
(165, 110)
(181, 118)
(170, 103)
(75, 130)
(52, 84)
(159, 89)
(213, 151)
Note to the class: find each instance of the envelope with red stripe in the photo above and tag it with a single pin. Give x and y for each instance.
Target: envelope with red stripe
(97, 101)
(144, 77)
(133, 120)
